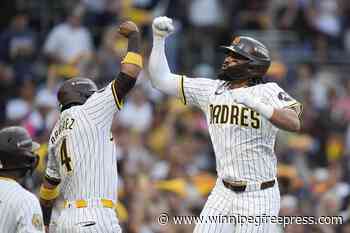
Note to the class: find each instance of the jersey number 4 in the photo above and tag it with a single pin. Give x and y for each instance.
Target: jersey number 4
(65, 159)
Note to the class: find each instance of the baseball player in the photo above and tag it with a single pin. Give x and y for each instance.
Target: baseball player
(20, 210)
(82, 156)
(243, 116)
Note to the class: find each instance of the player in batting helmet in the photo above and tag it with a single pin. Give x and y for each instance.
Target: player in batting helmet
(17, 155)
(75, 91)
(247, 59)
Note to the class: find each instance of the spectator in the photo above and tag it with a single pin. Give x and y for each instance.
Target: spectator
(19, 110)
(137, 112)
(253, 14)
(109, 55)
(7, 88)
(205, 28)
(294, 16)
(18, 44)
(69, 43)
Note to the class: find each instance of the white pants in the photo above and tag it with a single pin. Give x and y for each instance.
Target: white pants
(224, 202)
(88, 220)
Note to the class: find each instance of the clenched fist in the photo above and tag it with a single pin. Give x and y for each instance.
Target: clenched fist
(162, 26)
(127, 28)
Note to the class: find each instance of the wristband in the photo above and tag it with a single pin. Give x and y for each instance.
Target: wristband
(133, 58)
(48, 194)
(265, 110)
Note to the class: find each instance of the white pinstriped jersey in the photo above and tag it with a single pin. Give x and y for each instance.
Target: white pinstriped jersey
(81, 152)
(243, 140)
(20, 210)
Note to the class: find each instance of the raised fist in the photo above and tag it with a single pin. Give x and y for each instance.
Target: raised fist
(162, 26)
(127, 28)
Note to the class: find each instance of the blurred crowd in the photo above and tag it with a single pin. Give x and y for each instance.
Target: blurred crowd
(165, 158)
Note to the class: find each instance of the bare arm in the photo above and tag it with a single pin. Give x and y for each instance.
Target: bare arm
(284, 118)
(48, 194)
(132, 63)
(131, 66)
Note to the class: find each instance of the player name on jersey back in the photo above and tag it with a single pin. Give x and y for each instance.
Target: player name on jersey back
(66, 124)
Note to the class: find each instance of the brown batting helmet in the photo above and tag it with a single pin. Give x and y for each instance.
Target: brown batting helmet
(256, 55)
(75, 91)
(17, 150)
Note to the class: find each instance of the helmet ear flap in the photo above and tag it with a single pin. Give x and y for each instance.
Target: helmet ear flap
(256, 69)
(31, 161)
(35, 162)
(20, 161)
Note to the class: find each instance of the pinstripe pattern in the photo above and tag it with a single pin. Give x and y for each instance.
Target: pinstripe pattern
(17, 209)
(55, 214)
(225, 202)
(92, 158)
(243, 152)
(71, 220)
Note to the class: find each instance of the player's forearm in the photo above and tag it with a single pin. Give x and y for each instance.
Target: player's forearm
(47, 211)
(160, 75)
(285, 119)
(48, 194)
(282, 118)
(132, 63)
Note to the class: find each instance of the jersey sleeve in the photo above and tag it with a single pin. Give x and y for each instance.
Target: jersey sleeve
(30, 219)
(278, 98)
(103, 104)
(52, 167)
(196, 91)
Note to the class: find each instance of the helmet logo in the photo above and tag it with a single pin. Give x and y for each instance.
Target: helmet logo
(262, 51)
(236, 40)
(24, 143)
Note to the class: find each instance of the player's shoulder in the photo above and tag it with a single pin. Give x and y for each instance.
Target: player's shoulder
(100, 93)
(18, 193)
(203, 80)
(26, 198)
(270, 85)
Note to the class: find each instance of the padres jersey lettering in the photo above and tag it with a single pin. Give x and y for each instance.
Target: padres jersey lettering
(234, 114)
(243, 140)
(20, 210)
